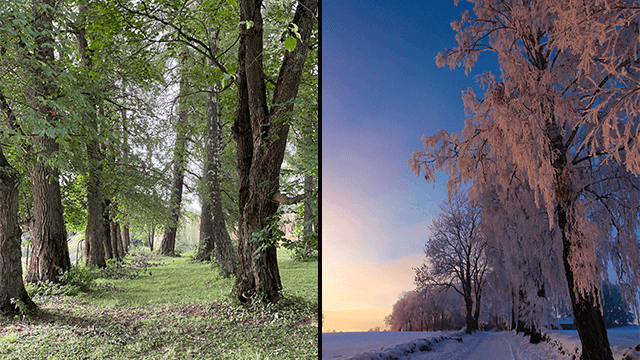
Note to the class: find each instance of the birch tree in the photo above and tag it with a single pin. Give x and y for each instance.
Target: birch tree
(562, 118)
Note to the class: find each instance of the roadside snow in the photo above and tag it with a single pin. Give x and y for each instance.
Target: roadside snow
(344, 345)
(622, 341)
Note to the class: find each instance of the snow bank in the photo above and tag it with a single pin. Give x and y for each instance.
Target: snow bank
(381, 345)
(624, 341)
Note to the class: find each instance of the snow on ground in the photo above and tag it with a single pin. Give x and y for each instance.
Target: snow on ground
(621, 339)
(504, 345)
(344, 345)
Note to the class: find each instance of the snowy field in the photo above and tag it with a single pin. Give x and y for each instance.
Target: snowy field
(505, 345)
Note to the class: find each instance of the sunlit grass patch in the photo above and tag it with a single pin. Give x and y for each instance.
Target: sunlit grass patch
(182, 310)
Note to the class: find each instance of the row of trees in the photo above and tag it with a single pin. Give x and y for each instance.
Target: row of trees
(108, 107)
(552, 146)
(464, 265)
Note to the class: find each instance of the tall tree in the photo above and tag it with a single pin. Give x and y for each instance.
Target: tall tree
(563, 118)
(260, 133)
(456, 254)
(50, 250)
(94, 254)
(168, 243)
(11, 285)
(214, 237)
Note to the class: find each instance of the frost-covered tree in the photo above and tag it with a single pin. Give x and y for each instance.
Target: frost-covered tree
(431, 309)
(524, 251)
(562, 119)
(456, 257)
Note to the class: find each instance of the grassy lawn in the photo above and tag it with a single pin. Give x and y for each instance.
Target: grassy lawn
(169, 308)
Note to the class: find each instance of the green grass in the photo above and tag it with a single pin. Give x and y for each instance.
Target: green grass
(182, 310)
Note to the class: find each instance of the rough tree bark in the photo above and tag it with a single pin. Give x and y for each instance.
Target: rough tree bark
(261, 134)
(11, 285)
(49, 235)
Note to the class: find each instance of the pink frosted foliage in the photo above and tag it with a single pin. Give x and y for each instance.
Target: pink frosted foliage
(559, 125)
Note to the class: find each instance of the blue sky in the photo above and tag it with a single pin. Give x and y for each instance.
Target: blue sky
(381, 91)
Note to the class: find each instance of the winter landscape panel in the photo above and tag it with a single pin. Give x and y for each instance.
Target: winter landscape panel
(455, 345)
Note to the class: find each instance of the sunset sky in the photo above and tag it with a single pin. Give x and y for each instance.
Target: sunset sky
(381, 91)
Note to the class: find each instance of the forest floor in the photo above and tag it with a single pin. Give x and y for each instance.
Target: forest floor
(170, 308)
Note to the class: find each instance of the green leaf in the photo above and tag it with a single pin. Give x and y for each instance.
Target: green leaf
(290, 43)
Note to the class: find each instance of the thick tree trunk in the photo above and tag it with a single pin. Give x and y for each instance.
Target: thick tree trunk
(206, 243)
(586, 304)
(260, 136)
(49, 235)
(11, 285)
(471, 325)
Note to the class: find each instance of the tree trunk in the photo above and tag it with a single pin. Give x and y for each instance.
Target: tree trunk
(168, 243)
(94, 252)
(50, 249)
(468, 302)
(126, 241)
(93, 247)
(586, 304)
(119, 241)
(261, 136)
(113, 236)
(476, 314)
(308, 213)
(206, 243)
(49, 235)
(213, 229)
(106, 228)
(11, 285)
(151, 237)
(513, 310)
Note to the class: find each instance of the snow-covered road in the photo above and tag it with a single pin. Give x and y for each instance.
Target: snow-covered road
(495, 344)
(489, 345)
